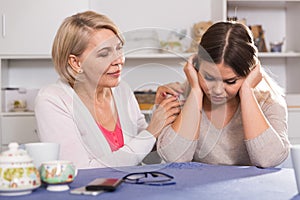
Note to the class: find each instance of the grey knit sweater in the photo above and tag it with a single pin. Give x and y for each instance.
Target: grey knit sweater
(227, 146)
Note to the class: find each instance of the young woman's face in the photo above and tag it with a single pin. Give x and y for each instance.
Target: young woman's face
(103, 59)
(219, 82)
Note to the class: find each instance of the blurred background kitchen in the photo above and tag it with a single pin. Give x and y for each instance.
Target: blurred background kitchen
(159, 36)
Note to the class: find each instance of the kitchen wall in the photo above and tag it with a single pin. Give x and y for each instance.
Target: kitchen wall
(164, 16)
(130, 15)
(134, 14)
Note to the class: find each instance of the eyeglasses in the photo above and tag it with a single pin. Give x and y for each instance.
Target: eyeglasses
(149, 178)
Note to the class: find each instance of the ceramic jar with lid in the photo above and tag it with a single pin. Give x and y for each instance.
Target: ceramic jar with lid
(18, 175)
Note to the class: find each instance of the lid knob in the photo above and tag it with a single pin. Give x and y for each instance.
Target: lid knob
(13, 146)
(14, 154)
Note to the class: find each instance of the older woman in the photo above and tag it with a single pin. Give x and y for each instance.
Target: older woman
(90, 112)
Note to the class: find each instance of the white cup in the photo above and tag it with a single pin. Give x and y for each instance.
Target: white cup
(42, 152)
(295, 154)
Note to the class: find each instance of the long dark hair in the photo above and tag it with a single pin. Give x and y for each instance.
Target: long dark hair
(231, 43)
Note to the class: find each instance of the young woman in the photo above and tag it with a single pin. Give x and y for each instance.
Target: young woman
(234, 113)
(90, 112)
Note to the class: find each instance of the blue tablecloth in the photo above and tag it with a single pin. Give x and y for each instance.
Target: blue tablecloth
(193, 181)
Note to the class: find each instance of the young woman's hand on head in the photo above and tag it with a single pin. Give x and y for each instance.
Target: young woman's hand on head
(176, 89)
(165, 114)
(191, 73)
(253, 78)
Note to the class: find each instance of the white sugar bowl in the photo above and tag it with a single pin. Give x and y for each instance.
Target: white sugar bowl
(18, 175)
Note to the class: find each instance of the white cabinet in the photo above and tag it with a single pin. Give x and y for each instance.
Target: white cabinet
(20, 128)
(28, 27)
(30, 72)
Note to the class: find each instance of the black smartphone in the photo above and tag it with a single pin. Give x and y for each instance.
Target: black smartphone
(107, 184)
(196, 62)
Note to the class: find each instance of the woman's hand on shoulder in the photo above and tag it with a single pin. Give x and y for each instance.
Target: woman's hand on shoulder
(165, 114)
(167, 90)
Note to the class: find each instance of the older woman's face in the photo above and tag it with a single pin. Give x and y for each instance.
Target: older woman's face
(103, 59)
(219, 82)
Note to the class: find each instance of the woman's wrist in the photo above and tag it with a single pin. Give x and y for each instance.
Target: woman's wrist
(245, 91)
(197, 94)
(152, 131)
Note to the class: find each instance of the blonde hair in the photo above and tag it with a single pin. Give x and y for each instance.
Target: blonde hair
(73, 36)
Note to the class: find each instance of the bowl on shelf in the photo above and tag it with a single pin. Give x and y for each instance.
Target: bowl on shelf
(19, 106)
(18, 175)
(276, 46)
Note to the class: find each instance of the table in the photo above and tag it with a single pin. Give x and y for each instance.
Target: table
(193, 181)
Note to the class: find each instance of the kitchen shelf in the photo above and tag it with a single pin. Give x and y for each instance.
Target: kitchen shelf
(25, 56)
(260, 4)
(160, 55)
(29, 113)
(157, 55)
(279, 55)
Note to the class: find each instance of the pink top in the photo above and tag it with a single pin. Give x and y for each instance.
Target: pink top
(115, 137)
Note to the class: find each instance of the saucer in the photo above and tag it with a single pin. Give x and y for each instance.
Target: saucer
(17, 191)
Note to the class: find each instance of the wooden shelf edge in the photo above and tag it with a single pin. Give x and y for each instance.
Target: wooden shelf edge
(157, 55)
(9, 114)
(278, 55)
(24, 56)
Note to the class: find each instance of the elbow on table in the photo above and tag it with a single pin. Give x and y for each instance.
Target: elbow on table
(272, 161)
(171, 157)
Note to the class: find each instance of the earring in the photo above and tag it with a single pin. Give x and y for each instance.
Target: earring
(80, 71)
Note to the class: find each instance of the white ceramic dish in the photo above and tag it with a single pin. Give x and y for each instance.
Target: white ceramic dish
(18, 175)
(57, 174)
(58, 187)
(17, 191)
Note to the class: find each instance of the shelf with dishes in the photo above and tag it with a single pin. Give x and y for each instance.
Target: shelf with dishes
(186, 55)
(158, 55)
(154, 55)
(259, 3)
(24, 56)
(279, 54)
(24, 113)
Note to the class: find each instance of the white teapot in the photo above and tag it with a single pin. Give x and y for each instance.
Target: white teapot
(18, 175)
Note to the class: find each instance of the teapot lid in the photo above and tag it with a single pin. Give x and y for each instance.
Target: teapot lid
(14, 154)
